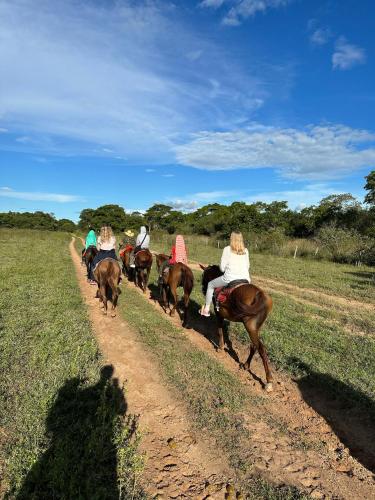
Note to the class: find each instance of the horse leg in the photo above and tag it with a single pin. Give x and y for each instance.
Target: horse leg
(103, 296)
(147, 276)
(114, 289)
(173, 291)
(163, 297)
(186, 307)
(220, 331)
(257, 344)
(144, 280)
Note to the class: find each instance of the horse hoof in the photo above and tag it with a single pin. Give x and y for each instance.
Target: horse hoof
(113, 315)
(268, 387)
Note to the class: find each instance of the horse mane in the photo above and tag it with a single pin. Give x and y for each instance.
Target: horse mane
(210, 273)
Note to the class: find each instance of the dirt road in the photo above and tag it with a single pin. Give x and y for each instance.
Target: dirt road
(178, 464)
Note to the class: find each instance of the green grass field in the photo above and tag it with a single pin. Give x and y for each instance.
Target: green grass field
(336, 279)
(64, 428)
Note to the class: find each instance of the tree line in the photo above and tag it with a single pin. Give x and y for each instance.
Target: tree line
(338, 220)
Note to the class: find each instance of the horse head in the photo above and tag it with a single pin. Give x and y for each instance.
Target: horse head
(209, 273)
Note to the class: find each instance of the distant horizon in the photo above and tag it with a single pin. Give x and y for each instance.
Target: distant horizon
(184, 104)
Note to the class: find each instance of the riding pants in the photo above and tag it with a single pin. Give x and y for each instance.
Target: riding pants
(216, 283)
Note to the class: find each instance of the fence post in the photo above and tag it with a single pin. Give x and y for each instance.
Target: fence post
(295, 252)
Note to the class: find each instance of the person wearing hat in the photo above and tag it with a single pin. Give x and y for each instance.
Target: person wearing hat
(128, 239)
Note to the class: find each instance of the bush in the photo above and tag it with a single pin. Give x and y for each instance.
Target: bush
(344, 245)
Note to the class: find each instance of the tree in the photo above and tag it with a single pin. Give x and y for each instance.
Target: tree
(106, 215)
(66, 225)
(370, 187)
(157, 214)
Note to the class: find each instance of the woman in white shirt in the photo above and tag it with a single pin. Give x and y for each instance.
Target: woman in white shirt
(106, 245)
(234, 264)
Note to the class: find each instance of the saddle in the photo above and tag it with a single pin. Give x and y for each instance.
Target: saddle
(107, 258)
(127, 248)
(222, 293)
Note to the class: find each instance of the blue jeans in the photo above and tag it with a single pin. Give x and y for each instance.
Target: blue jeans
(211, 287)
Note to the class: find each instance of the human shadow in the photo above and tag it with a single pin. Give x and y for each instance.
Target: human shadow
(207, 327)
(349, 412)
(81, 460)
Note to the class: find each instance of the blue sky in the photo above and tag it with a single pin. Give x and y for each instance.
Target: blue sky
(187, 103)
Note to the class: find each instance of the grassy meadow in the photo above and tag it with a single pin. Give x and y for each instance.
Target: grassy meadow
(64, 430)
(336, 279)
(334, 343)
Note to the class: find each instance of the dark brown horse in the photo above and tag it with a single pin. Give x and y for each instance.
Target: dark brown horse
(107, 274)
(247, 304)
(88, 257)
(177, 275)
(143, 263)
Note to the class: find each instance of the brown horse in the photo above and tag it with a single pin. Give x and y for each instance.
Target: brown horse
(143, 263)
(125, 258)
(247, 304)
(107, 274)
(178, 275)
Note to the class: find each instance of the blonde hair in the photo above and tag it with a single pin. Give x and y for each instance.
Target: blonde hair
(106, 233)
(237, 244)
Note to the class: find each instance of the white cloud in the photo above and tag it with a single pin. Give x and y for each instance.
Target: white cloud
(183, 205)
(212, 3)
(317, 152)
(105, 75)
(194, 200)
(242, 9)
(149, 170)
(320, 36)
(167, 175)
(309, 195)
(7, 192)
(194, 55)
(3, 130)
(347, 55)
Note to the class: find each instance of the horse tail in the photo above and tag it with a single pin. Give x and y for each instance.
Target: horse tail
(187, 279)
(259, 308)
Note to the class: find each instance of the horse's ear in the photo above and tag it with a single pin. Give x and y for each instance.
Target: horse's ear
(202, 266)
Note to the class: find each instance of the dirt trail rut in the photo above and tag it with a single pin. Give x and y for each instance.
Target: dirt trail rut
(290, 441)
(178, 464)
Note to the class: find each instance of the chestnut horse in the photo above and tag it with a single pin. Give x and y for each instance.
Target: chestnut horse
(178, 275)
(125, 258)
(107, 274)
(143, 263)
(247, 304)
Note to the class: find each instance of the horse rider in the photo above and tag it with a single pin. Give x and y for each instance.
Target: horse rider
(90, 240)
(234, 264)
(142, 243)
(128, 239)
(178, 254)
(106, 245)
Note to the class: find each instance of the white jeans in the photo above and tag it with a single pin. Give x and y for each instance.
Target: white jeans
(211, 287)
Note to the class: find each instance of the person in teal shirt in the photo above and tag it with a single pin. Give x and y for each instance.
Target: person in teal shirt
(91, 239)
